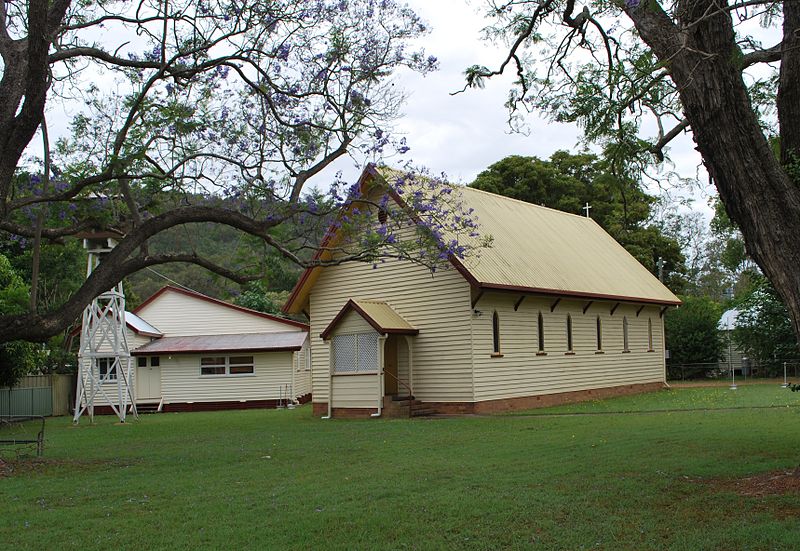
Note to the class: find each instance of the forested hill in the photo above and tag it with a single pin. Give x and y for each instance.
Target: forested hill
(222, 245)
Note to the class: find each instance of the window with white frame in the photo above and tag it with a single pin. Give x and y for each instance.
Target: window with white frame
(355, 353)
(226, 365)
(108, 371)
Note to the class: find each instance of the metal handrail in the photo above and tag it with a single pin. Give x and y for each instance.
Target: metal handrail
(410, 391)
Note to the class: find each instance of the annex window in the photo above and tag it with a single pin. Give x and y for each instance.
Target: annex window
(569, 333)
(495, 333)
(540, 332)
(225, 365)
(599, 334)
(625, 347)
(212, 365)
(141, 361)
(241, 365)
(355, 353)
(108, 371)
(155, 361)
(649, 335)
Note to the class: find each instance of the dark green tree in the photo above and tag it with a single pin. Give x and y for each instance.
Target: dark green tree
(764, 328)
(256, 297)
(692, 335)
(17, 358)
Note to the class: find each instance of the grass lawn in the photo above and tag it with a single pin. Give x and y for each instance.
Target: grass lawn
(265, 479)
(689, 398)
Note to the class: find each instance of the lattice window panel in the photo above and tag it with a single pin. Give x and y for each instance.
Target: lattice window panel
(368, 352)
(344, 354)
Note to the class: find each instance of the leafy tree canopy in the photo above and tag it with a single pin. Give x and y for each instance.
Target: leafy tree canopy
(764, 328)
(256, 297)
(17, 358)
(189, 113)
(692, 336)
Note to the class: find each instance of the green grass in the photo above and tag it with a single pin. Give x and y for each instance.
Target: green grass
(752, 396)
(281, 479)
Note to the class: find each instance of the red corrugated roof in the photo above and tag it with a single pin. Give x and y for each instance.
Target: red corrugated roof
(245, 342)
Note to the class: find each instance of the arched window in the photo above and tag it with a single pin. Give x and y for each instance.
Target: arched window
(599, 334)
(569, 333)
(649, 335)
(541, 332)
(625, 334)
(495, 333)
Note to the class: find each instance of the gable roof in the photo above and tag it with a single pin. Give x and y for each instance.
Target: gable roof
(378, 314)
(134, 323)
(140, 326)
(286, 341)
(535, 250)
(200, 296)
(542, 250)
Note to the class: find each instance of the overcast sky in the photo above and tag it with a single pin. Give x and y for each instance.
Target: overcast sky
(462, 135)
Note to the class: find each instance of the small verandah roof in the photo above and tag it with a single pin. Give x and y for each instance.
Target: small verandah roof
(379, 314)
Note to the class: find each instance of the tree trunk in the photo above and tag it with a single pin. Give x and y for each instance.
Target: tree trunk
(705, 65)
(789, 88)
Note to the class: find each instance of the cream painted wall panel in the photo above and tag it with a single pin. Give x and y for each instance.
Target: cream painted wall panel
(181, 380)
(438, 305)
(355, 391)
(522, 372)
(176, 314)
(353, 322)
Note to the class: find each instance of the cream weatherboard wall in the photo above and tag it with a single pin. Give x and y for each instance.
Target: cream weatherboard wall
(437, 304)
(523, 371)
(181, 381)
(178, 314)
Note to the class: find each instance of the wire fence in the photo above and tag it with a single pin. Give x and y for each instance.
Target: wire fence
(777, 368)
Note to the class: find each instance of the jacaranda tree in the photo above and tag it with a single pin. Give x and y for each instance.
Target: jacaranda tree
(190, 111)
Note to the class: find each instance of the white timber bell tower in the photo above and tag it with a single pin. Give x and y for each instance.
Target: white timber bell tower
(105, 369)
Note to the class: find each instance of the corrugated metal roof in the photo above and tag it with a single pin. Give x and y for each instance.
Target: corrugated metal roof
(140, 326)
(248, 342)
(384, 315)
(542, 249)
(379, 314)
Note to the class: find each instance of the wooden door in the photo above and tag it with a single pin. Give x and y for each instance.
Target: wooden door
(390, 365)
(148, 383)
